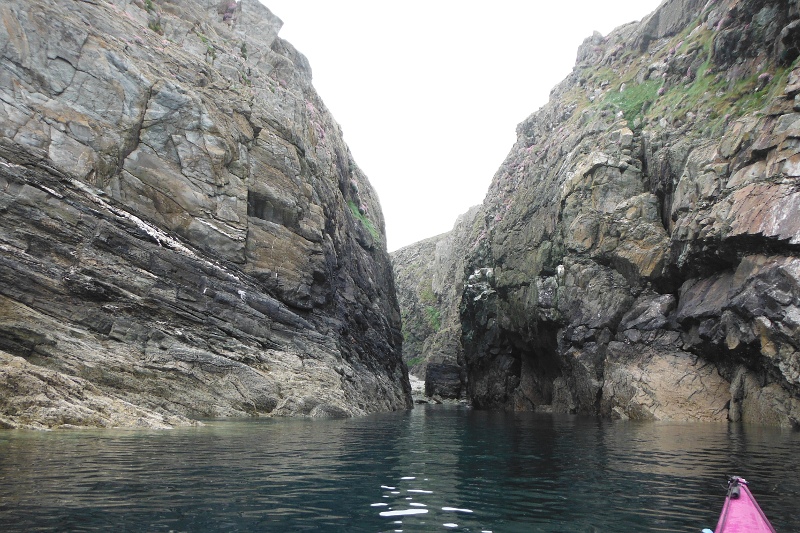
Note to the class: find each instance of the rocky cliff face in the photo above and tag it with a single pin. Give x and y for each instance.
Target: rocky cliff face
(184, 233)
(430, 281)
(640, 249)
(637, 255)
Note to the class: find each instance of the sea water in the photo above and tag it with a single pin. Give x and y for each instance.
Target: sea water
(436, 468)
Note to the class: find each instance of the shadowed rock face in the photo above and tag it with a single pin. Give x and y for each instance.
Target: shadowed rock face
(184, 233)
(430, 282)
(637, 252)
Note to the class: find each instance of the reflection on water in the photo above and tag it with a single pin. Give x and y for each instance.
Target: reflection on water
(431, 469)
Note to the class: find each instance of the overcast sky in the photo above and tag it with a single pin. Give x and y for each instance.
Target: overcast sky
(429, 92)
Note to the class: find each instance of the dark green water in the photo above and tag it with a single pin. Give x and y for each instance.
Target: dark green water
(470, 470)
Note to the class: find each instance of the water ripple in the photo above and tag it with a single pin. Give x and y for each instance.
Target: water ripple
(432, 469)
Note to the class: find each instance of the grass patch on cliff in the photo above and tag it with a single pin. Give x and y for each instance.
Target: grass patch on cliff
(376, 236)
(709, 94)
(746, 96)
(414, 361)
(426, 294)
(719, 99)
(633, 100)
(434, 318)
(680, 99)
(430, 302)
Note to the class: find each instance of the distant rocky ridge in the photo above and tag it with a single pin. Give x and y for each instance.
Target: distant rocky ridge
(636, 255)
(183, 232)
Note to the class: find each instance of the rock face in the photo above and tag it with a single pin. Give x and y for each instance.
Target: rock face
(430, 281)
(184, 232)
(637, 253)
(420, 307)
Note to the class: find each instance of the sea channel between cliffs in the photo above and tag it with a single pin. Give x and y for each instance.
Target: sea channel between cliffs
(186, 235)
(187, 243)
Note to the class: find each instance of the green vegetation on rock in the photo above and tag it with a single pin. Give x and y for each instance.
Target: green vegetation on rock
(414, 361)
(434, 318)
(706, 91)
(426, 295)
(633, 100)
(376, 236)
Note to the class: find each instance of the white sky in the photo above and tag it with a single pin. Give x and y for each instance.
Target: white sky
(429, 92)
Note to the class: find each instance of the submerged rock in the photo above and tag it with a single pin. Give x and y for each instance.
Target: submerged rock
(184, 232)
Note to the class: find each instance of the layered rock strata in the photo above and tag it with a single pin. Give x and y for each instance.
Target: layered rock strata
(184, 232)
(637, 252)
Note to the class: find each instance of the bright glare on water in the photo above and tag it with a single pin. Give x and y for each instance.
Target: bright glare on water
(430, 469)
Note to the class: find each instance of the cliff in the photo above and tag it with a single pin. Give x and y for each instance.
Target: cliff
(184, 232)
(430, 280)
(637, 255)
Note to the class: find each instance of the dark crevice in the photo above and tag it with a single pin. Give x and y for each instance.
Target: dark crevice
(706, 257)
(540, 363)
(270, 209)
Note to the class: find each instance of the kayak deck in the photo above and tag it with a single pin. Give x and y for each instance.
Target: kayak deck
(741, 513)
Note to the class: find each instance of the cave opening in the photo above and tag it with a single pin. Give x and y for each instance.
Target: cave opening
(539, 366)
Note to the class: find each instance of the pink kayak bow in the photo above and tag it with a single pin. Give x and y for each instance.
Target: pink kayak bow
(741, 513)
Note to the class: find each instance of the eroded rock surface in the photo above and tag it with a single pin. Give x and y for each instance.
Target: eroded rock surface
(642, 234)
(184, 232)
(637, 252)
